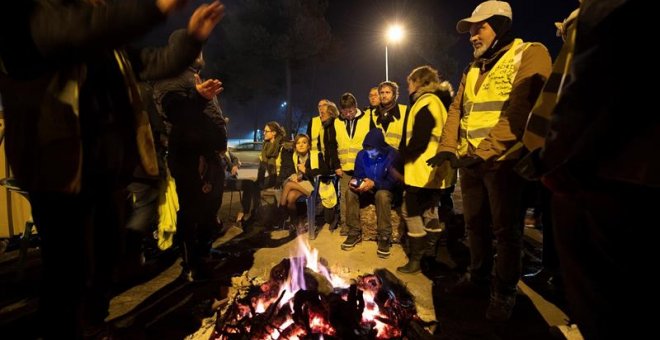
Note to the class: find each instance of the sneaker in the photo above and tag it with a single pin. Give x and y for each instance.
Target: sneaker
(500, 308)
(343, 230)
(351, 241)
(384, 245)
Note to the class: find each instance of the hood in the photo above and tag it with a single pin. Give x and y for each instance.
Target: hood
(375, 139)
(437, 88)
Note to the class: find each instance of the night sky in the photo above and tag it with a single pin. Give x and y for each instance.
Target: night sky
(357, 60)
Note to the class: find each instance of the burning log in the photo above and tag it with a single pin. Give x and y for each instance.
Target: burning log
(300, 303)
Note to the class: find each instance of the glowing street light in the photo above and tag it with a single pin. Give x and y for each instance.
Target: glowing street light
(394, 34)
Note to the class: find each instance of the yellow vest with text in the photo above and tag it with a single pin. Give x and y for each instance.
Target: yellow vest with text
(481, 111)
(348, 147)
(394, 130)
(418, 173)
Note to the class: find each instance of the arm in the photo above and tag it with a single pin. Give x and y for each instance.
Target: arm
(449, 138)
(421, 134)
(164, 62)
(535, 67)
(69, 33)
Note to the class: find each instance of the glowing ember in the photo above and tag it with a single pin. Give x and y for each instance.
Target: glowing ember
(302, 300)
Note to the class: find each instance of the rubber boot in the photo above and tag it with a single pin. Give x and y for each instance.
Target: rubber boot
(417, 247)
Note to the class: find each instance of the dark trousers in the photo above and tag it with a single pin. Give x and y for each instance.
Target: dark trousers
(251, 197)
(605, 249)
(79, 245)
(264, 182)
(197, 217)
(492, 206)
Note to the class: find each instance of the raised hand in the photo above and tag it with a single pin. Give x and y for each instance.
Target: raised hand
(208, 88)
(204, 19)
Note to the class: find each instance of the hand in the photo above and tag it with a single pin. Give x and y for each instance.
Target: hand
(167, 6)
(366, 185)
(234, 170)
(467, 162)
(204, 19)
(339, 172)
(301, 167)
(209, 88)
(440, 158)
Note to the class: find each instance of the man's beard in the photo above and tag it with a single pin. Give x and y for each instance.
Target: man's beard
(478, 52)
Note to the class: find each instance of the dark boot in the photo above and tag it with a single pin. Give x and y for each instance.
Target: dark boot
(417, 247)
(432, 238)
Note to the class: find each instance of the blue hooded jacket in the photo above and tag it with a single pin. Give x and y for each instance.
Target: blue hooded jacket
(380, 168)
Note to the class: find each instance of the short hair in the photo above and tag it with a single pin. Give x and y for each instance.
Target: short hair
(424, 75)
(393, 85)
(299, 136)
(347, 100)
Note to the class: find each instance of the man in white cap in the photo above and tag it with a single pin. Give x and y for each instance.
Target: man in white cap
(481, 137)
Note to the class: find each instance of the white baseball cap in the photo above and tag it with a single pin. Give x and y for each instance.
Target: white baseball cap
(484, 11)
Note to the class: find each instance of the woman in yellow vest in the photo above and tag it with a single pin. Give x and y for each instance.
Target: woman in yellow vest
(296, 172)
(423, 182)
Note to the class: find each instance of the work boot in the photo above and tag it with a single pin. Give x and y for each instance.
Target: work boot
(351, 241)
(500, 307)
(384, 245)
(417, 246)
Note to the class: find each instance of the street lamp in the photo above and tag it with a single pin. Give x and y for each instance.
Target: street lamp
(394, 34)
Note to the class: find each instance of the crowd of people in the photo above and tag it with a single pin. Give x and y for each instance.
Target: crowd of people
(90, 119)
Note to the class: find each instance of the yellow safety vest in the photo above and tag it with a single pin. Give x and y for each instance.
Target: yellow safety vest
(418, 173)
(394, 130)
(348, 147)
(482, 111)
(313, 161)
(316, 139)
(538, 122)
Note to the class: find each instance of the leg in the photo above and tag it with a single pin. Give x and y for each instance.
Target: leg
(477, 223)
(344, 190)
(383, 203)
(352, 208)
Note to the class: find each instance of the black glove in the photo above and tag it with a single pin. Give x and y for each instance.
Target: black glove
(441, 157)
(467, 162)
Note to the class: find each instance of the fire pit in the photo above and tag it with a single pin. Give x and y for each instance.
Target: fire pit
(301, 299)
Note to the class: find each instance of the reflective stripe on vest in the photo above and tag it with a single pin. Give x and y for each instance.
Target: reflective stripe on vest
(481, 111)
(417, 173)
(347, 148)
(539, 120)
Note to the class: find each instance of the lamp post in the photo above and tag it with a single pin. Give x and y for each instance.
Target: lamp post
(394, 34)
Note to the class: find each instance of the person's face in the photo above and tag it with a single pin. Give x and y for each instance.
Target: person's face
(269, 134)
(481, 37)
(349, 112)
(323, 110)
(386, 95)
(412, 86)
(372, 152)
(302, 146)
(374, 98)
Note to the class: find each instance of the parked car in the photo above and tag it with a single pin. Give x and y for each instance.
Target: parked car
(248, 153)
